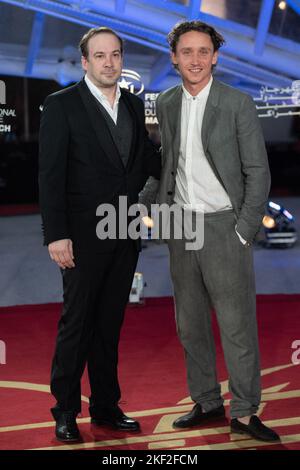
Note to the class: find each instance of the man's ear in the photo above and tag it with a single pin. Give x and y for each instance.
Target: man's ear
(215, 57)
(84, 62)
(173, 58)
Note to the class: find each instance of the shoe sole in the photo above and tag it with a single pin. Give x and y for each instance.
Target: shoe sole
(78, 439)
(204, 421)
(240, 431)
(115, 428)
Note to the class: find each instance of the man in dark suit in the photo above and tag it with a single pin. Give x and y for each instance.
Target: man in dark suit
(214, 157)
(94, 148)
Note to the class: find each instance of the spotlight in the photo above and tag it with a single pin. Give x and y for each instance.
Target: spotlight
(282, 5)
(148, 221)
(279, 227)
(268, 222)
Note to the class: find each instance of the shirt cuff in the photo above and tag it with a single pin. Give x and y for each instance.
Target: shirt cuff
(242, 240)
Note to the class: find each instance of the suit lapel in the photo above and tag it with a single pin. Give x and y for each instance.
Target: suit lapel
(210, 119)
(210, 115)
(174, 115)
(100, 127)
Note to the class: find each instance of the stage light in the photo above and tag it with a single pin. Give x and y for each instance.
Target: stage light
(279, 227)
(275, 206)
(268, 222)
(148, 221)
(282, 5)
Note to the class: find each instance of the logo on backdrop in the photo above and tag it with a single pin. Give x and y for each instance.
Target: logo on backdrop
(279, 102)
(5, 112)
(296, 92)
(2, 92)
(131, 81)
(150, 108)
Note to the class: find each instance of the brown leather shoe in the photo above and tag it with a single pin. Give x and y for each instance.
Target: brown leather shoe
(197, 417)
(255, 429)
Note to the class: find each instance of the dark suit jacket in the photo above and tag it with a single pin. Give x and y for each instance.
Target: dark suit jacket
(80, 167)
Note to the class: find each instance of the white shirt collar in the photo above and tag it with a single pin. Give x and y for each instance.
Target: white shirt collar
(202, 94)
(98, 93)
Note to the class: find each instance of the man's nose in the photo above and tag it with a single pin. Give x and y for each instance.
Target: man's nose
(196, 59)
(108, 62)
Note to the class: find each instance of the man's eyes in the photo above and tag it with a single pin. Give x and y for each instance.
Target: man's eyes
(101, 56)
(201, 52)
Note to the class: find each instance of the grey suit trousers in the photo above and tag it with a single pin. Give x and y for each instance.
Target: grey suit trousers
(220, 275)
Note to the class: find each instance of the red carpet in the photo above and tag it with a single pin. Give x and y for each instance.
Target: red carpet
(152, 376)
(18, 209)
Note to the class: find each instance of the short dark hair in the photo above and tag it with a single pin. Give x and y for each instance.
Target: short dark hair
(195, 25)
(83, 44)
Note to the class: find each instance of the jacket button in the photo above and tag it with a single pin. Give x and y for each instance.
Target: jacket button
(170, 193)
(172, 173)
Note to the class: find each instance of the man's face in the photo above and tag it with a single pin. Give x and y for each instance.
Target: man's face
(103, 65)
(195, 57)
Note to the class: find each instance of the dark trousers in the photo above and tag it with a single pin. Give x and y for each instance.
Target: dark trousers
(95, 295)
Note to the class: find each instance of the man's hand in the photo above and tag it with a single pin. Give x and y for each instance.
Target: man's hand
(61, 252)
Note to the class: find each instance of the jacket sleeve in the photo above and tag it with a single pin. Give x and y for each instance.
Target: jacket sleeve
(255, 169)
(53, 155)
(152, 157)
(149, 193)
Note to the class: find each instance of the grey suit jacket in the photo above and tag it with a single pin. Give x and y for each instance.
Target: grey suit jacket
(233, 144)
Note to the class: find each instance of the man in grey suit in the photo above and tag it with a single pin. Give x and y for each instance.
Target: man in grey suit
(214, 155)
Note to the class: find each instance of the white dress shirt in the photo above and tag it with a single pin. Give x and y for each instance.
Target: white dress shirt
(196, 184)
(112, 111)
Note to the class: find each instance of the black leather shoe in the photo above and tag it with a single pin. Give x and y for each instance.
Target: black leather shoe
(66, 429)
(116, 419)
(255, 429)
(197, 417)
